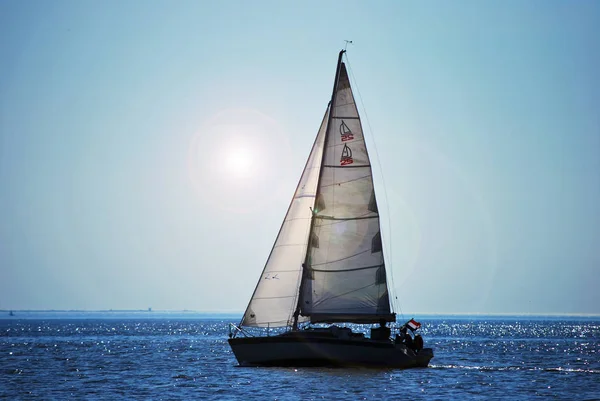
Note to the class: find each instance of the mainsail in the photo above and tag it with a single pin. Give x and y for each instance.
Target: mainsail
(344, 278)
(327, 262)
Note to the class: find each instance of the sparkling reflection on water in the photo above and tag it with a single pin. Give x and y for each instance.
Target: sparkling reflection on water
(175, 357)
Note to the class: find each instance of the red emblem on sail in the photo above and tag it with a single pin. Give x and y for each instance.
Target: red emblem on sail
(346, 156)
(345, 132)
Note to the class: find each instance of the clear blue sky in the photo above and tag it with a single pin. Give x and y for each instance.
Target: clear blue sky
(148, 150)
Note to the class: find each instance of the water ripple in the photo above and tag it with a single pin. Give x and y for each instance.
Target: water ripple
(190, 359)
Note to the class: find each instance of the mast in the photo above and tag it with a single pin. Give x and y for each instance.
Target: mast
(312, 220)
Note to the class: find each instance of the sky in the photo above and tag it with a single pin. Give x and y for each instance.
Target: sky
(149, 149)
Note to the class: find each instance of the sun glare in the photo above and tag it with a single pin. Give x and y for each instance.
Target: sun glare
(236, 154)
(240, 162)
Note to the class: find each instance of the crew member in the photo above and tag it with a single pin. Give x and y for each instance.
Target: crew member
(418, 343)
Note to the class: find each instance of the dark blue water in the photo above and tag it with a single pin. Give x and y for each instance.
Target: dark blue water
(187, 357)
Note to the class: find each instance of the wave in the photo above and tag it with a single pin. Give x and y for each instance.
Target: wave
(521, 368)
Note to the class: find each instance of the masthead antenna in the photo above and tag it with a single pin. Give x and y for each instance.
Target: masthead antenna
(347, 41)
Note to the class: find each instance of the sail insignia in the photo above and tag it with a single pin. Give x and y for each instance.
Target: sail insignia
(345, 132)
(346, 156)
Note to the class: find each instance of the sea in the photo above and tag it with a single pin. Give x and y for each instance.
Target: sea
(185, 356)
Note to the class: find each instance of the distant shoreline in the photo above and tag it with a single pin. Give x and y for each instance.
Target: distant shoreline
(115, 311)
(16, 312)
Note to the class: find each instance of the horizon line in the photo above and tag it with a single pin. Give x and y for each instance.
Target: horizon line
(534, 314)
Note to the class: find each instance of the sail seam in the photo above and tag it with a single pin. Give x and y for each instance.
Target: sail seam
(347, 270)
(353, 166)
(346, 218)
(337, 106)
(334, 222)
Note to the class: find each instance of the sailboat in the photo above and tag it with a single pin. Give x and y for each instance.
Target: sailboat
(326, 269)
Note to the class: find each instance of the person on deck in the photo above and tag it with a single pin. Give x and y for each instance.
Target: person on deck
(408, 341)
(385, 331)
(418, 343)
(381, 333)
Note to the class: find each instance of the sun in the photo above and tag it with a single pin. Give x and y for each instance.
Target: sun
(240, 161)
(237, 160)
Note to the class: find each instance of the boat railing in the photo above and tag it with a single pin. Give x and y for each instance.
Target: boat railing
(234, 330)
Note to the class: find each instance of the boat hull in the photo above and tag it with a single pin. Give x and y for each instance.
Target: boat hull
(293, 350)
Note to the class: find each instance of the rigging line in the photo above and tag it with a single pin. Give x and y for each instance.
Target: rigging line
(389, 247)
(347, 181)
(298, 218)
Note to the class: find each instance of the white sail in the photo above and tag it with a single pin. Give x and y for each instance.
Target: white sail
(345, 277)
(276, 294)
